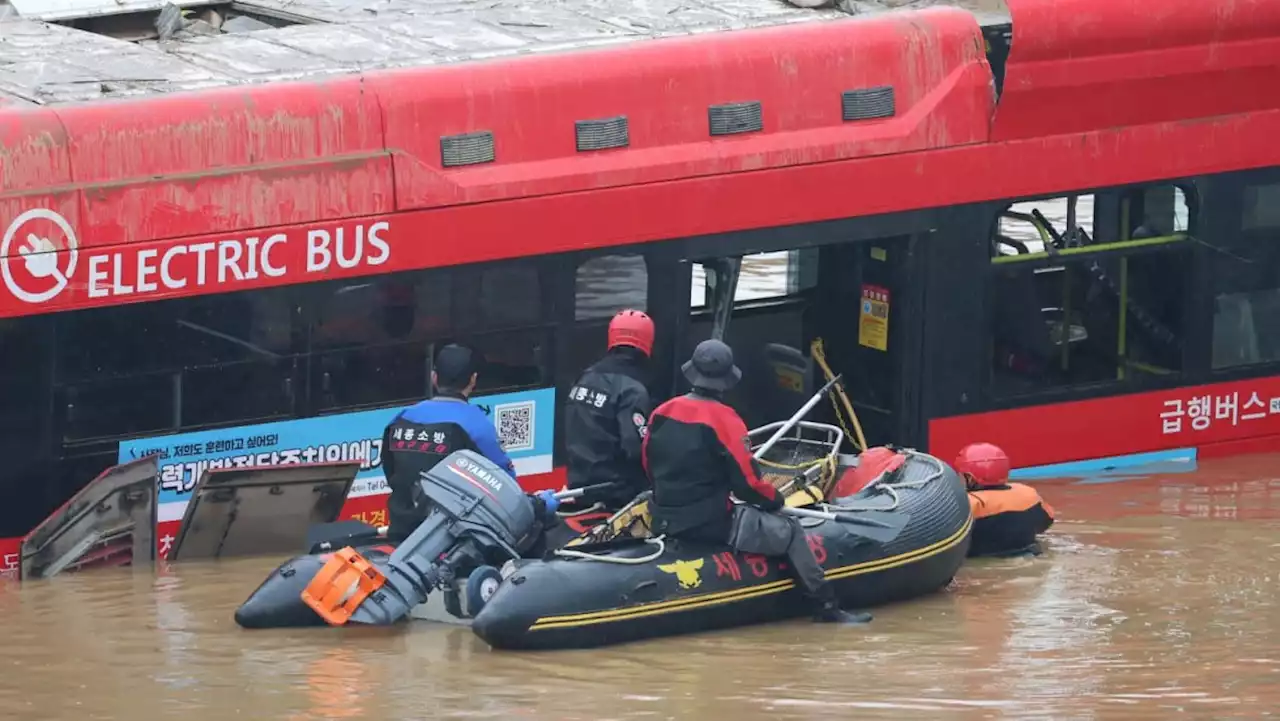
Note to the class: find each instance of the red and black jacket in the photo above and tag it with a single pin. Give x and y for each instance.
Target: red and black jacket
(696, 453)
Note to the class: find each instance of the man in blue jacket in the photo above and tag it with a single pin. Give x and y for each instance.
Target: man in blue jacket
(422, 435)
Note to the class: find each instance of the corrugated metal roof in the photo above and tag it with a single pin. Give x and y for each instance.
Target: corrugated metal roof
(202, 45)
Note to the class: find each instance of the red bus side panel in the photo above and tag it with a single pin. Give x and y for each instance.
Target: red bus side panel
(1080, 65)
(227, 160)
(35, 175)
(933, 59)
(10, 559)
(1235, 415)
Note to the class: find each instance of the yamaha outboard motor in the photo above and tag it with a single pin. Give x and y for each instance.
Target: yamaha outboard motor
(479, 515)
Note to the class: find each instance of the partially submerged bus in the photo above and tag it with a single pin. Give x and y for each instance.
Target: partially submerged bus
(241, 248)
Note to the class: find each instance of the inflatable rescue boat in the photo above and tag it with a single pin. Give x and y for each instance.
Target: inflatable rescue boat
(898, 528)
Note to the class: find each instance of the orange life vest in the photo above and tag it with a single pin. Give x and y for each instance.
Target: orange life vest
(1007, 518)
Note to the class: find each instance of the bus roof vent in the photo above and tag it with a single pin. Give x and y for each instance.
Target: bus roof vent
(164, 20)
(734, 118)
(867, 103)
(466, 149)
(602, 134)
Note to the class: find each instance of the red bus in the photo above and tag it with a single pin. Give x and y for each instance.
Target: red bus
(1058, 236)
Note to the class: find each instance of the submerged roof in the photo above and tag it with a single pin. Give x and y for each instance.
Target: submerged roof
(142, 47)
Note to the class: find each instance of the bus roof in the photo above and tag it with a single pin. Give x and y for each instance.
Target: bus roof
(59, 51)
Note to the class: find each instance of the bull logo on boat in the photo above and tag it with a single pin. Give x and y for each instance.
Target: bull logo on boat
(686, 572)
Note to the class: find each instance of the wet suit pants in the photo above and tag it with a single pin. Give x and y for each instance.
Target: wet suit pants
(772, 535)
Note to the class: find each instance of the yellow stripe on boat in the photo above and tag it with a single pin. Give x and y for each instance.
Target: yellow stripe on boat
(742, 594)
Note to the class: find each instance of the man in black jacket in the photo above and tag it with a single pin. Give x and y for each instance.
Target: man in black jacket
(697, 452)
(607, 415)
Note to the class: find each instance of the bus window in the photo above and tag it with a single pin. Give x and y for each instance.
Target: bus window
(175, 364)
(1024, 227)
(603, 285)
(370, 338)
(384, 310)
(1088, 289)
(1261, 207)
(764, 276)
(607, 284)
(504, 296)
(511, 361)
(767, 312)
(24, 412)
(1246, 284)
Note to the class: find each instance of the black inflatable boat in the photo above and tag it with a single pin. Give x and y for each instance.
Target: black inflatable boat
(899, 529)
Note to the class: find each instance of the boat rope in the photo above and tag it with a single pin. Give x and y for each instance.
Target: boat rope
(891, 489)
(659, 541)
(597, 506)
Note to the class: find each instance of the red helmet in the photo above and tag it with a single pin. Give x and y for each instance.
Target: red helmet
(986, 464)
(633, 328)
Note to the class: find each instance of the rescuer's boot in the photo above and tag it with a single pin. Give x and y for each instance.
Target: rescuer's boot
(832, 613)
(828, 609)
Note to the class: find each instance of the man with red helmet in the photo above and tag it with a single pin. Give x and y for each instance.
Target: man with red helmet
(1007, 517)
(607, 414)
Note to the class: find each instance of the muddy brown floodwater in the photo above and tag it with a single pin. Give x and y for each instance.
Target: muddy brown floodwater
(1156, 599)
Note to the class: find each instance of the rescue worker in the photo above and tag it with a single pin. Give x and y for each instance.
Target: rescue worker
(607, 416)
(1007, 517)
(422, 435)
(696, 453)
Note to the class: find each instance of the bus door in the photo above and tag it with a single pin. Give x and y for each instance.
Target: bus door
(865, 322)
(749, 302)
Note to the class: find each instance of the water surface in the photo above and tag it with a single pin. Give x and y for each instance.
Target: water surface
(1156, 599)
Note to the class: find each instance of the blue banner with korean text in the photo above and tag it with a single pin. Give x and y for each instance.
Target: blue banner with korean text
(525, 422)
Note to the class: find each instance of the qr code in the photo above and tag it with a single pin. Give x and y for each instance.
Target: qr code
(515, 425)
